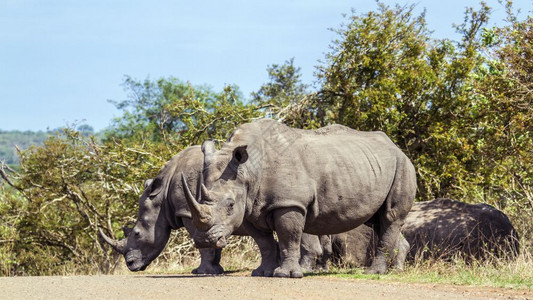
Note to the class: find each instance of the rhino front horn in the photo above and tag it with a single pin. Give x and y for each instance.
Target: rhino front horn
(119, 246)
(202, 215)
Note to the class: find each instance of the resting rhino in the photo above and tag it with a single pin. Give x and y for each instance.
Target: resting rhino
(162, 208)
(440, 228)
(269, 177)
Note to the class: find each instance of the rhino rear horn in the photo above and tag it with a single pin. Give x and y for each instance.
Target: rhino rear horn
(208, 148)
(119, 246)
(201, 213)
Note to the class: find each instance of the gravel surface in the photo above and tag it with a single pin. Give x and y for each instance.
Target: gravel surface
(236, 286)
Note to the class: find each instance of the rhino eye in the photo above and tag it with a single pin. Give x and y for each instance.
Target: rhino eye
(230, 206)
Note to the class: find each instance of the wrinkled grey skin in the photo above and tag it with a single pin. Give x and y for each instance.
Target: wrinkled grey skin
(162, 208)
(441, 228)
(268, 177)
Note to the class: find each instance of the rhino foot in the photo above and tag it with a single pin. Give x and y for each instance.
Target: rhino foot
(307, 266)
(213, 269)
(374, 271)
(262, 272)
(288, 273)
(322, 266)
(377, 269)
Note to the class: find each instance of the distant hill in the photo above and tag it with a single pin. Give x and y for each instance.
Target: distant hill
(25, 139)
(21, 139)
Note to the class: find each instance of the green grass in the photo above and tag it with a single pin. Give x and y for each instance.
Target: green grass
(513, 274)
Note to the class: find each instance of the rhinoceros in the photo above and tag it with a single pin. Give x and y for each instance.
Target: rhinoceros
(269, 177)
(441, 229)
(162, 208)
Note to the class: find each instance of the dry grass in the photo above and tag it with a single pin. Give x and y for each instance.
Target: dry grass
(242, 254)
(507, 272)
(181, 256)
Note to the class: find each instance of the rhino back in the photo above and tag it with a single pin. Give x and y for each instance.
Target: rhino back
(190, 162)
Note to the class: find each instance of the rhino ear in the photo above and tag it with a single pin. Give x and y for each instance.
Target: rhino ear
(208, 147)
(147, 183)
(240, 154)
(127, 230)
(157, 186)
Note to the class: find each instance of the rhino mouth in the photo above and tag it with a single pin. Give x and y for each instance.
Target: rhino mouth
(135, 261)
(210, 239)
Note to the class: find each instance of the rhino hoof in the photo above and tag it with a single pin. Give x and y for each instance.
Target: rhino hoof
(211, 270)
(279, 272)
(262, 273)
(375, 271)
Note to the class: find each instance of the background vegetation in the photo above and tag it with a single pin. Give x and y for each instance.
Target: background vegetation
(461, 110)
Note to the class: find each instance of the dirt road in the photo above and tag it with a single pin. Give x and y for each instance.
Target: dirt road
(234, 287)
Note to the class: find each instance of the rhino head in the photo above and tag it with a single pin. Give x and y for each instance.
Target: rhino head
(219, 207)
(148, 237)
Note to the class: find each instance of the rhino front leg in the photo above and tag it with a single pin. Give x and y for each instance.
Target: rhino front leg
(209, 258)
(210, 262)
(269, 250)
(289, 224)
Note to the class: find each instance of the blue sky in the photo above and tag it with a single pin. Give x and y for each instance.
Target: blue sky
(60, 61)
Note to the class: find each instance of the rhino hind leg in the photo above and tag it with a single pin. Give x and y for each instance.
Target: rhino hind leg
(385, 249)
(392, 246)
(210, 262)
(311, 251)
(289, 224)
(400, 253)
(327, 252)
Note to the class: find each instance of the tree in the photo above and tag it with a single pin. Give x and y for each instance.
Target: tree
(74, 184)
(285, 96)
(283, 88)
(502, 114)
(386, 73)
(176, 114)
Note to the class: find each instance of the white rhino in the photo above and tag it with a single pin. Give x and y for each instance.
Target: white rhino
(268, 177)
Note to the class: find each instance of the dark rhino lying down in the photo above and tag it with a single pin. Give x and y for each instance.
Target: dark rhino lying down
(162, 208)
(440, 228)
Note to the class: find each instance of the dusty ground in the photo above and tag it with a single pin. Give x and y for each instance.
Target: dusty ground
(235, 286)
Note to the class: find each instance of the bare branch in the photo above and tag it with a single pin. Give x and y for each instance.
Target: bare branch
(6, 178)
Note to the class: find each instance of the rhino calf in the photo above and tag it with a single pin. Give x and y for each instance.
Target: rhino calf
(441, 229)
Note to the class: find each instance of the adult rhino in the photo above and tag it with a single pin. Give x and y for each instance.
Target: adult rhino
(269, 177)
(162, 208)
(441, 229)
